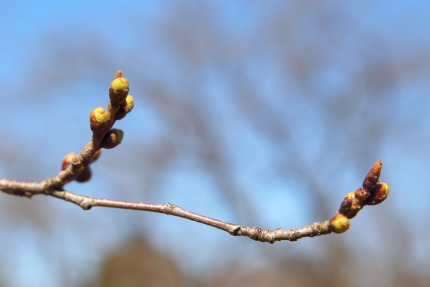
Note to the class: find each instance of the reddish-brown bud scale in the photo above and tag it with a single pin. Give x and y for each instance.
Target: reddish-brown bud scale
(350, 206)
(84, 175)
(112, 139)
(361, 194)
(379, 194)
(373, 176)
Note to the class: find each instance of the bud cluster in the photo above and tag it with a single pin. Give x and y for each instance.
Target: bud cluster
(371, 193)
(101, 122)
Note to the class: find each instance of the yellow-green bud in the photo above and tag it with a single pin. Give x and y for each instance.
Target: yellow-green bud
(99, 119)
(339, 223)
(125, 108)
(118, 89)
(120, 83)
(129, 103)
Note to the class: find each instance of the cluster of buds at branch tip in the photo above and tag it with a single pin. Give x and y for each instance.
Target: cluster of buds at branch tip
(112, 139)
(99, 120)
(371, 193)
(125, 108)
(339, 223)
(118, 89)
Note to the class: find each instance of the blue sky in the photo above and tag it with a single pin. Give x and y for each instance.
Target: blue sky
(31, 30)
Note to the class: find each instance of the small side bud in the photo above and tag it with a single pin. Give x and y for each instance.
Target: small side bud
(84, 175)
(129, 103)
(112, 138)
(339, 223)
(125, 108)
(118, 89)
(67, 160)
(379, 194)
(99, 119)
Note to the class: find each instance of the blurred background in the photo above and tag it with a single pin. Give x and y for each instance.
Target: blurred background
(260, 113)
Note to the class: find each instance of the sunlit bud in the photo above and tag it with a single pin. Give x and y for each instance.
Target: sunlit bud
(67, 160)
(118, 89)
(339, 223)
(84, 175)
(379, 194)
(99, 119)
(120, 83)
(125, 108)
(350, 195)
(112, 138)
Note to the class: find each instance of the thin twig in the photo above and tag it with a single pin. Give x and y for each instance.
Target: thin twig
(347, 208)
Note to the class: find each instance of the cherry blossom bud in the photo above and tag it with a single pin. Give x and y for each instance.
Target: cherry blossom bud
(125, 108)
(84, 175)
(118, 89)
(339, 223)
(67, 160)
(379, 194)
(99, 120)
(112, 138)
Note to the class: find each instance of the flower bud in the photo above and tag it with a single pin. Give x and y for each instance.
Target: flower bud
(99, 120)
(125, 108)
(373, 176)
(112, 138)
(84, 175)
(118, 89)
(339, 223)
(67, 160)
(379, 194)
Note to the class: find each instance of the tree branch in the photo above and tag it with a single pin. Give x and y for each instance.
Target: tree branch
(348, 209)
(76, 167)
